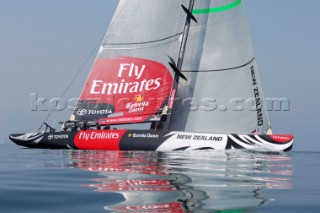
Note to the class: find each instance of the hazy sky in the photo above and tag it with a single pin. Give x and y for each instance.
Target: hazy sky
(43, 43)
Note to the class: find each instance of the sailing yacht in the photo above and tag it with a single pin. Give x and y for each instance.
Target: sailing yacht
(170, 75)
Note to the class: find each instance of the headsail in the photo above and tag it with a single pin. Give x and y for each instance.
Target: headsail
(131, 78)
(223, 92)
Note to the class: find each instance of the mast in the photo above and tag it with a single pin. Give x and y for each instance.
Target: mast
(177, 67)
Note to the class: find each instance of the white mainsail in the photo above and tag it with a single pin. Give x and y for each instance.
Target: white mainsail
(223, 90)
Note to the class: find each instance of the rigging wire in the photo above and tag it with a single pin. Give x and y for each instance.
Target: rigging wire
(73, 79)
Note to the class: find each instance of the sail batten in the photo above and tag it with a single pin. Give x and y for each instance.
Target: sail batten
(145, 42)
(220, 70)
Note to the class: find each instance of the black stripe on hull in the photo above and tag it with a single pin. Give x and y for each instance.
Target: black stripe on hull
(233, 145)
(142, 140)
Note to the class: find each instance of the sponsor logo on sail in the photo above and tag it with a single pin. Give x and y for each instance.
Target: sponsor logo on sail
(172, 96)
(257, 97)
(126, 71)
(132, 86)
(138, 105)
(82, 112)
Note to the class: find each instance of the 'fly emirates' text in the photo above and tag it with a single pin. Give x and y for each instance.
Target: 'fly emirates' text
(126, 71)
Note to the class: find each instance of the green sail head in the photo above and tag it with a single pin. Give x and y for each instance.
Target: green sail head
(217, 9)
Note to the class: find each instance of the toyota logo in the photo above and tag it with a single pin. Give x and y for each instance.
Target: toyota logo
(50, 137)
(82, 112)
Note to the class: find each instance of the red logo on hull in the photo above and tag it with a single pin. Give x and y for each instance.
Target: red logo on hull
(282, 138)
(99, 139)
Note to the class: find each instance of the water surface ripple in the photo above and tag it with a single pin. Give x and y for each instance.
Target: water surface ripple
(110, 181)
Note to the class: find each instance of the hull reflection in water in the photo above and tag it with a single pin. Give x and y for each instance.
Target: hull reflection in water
(181, 182)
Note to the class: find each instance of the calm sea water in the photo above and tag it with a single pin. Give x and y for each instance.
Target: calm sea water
(205, 181)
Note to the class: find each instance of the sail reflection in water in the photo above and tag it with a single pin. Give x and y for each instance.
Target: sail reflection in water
(190, 181)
